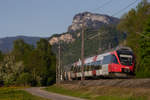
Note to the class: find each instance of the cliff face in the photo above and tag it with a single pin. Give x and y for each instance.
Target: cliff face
(67, 38)
(90, 20)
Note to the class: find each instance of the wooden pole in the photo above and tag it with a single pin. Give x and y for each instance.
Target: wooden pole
(58, 67)
(82, 53)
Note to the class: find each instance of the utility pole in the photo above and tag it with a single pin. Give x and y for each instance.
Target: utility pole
(56, 74)
(58, 67)
(59, 63)
(82, 52)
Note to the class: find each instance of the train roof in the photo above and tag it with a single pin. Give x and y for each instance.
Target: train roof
(123, 49)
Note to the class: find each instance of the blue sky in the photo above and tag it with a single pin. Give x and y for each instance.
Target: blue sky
(46, 17)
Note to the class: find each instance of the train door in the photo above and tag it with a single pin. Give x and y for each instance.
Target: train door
(106, 61)
(115, 66)
(86, 71)
(99, 68)
(94, 69)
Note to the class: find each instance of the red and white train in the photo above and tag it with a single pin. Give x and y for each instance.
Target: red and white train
(117, 63)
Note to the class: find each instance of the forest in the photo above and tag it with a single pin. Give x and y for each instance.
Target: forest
(136, 23)
(27, 65)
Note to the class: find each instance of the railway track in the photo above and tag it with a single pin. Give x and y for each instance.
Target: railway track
(127, 83)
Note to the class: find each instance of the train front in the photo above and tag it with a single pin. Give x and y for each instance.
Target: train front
(126, 60)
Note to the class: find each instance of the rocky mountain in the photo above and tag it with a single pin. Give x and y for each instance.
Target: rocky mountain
(6, 44)
(64, 37)
(91, 20)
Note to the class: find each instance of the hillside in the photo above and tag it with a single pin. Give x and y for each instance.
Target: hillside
(6, 44)
(106, 36)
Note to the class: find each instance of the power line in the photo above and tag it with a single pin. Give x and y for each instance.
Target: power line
(143, 35)
(114, 13)
(124, 8)
(94, 36)
(106, 3)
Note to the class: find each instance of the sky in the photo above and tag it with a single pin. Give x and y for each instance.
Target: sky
(46, 17)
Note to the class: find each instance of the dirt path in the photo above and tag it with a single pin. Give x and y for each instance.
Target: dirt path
(53, 96)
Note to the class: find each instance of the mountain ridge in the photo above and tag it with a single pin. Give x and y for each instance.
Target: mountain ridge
(6, 43)
(91, 20)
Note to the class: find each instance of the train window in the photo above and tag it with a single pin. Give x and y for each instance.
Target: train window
(99, 62)
(114, 59)
(86, 68)
(78, 69)
(126, 57)
(92, 63)
(107, 59)
(96, 63)
(100, 67)
(90, 68)
(96, 67)
(72, 68)
(75, 69)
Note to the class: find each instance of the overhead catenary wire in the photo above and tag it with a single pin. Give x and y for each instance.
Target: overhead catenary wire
(143, 35)
(100, 7)
(116, 13)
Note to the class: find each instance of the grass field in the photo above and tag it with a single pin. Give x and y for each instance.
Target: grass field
(101, 93)
(13, 93)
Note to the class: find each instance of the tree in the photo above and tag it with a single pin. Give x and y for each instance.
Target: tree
(24, 79)
(133, 23)
(144, 70)
(21, 49)
(48, 61)
(1, 56)
(26, 65)
(41, 63)
(10, 70)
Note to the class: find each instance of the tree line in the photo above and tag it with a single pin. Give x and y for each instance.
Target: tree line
(136, 23)
(28, 65)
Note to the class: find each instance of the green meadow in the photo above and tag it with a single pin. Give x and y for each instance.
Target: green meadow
(13, 93)
(100, 93)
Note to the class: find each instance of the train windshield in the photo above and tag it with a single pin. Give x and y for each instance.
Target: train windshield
(110, 59)
(125, 58)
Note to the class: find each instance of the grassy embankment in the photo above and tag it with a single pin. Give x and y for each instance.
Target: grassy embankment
(101, 93)
(13, 93)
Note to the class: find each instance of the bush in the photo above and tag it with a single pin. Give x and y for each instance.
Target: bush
(24, 79)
